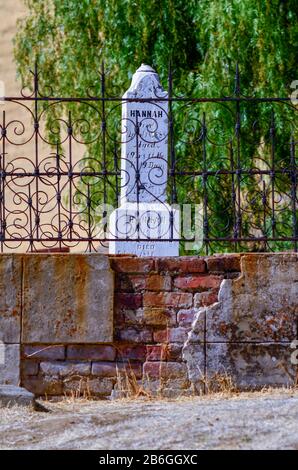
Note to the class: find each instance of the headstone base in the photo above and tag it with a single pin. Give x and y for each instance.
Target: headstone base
(145, 229)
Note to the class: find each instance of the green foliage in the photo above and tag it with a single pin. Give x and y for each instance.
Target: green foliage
(204, 40)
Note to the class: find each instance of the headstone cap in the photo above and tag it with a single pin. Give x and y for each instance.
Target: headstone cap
(145, 84)
(145, 68)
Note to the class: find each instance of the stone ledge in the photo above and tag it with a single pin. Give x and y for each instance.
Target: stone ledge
(11, 395)
(10, 368)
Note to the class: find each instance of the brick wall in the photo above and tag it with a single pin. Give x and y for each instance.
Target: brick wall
(155, 302)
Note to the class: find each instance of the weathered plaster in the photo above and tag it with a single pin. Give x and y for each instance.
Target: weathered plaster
(247, 334)
(67, 299)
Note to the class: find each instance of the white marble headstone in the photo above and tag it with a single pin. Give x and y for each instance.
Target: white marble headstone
(143, 214)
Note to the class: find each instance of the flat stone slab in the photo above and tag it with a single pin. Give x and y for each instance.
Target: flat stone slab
(249, 366)
(67, 299)
(9, 364)
(11, 395)
(10, 297)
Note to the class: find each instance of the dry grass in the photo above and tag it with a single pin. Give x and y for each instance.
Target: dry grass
(220, 383)
(81, 392)
(129, 387)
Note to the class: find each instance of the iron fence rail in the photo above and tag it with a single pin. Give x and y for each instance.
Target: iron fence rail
(232, 159)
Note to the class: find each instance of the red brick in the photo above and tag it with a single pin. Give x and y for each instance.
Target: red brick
(170, 299)
(164, 369)
(159, 316)
(185, 317)
(146, 316)
(203, 299)
(43, 385)
(97, 387)
(161, 336)
(96, 352)
(139, 283)
(64, 369)
(132, 283)
(133, 317)
(29, 367)
(156, 353)
(156, 282)
(181, 264)
(171, 335)
(130, 369)
(131, 353)
(131, 264)
(44, 352)
(119, 315)
(125, 300)
(164, 352)
(225, 263)
(198, 282)
(135, 335)
(109, 369)
(174, 351)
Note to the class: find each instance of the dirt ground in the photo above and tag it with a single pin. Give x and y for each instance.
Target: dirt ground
(267, 420)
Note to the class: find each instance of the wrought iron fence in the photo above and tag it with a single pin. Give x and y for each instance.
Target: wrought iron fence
(231, 161)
